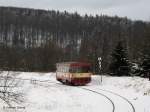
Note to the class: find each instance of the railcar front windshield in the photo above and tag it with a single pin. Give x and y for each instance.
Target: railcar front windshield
(79, 69)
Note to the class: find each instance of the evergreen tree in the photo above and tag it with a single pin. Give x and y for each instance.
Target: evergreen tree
(119, 65)
(146, 66)
(145, 71)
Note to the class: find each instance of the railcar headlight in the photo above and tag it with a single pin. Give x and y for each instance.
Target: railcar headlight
(70, 75)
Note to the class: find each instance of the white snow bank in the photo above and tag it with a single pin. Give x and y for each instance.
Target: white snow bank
(45, 97)
(137, 84)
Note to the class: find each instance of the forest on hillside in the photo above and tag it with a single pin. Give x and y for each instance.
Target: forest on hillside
(35, 40)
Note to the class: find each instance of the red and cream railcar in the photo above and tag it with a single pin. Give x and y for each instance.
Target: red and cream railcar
(74, 73)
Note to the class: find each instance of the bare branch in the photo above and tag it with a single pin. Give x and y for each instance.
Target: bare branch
(8, 89)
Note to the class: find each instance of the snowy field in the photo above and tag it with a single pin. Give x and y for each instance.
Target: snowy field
(42, 93)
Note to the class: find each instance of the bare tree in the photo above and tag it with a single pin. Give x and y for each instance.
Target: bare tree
(8, 89)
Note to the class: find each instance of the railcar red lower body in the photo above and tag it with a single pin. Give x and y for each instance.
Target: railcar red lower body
(80, 81)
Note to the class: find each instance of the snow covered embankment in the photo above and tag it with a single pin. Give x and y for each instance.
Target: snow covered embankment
(137, 84)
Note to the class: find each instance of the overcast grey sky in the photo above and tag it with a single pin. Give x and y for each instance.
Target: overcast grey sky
(134, 9)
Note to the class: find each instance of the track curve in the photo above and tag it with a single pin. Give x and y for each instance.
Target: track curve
(133, 108)
(49, 81)
(113, 105)
(90, 90)
(97, 92)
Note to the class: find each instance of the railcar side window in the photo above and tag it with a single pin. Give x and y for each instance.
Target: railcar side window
(79, 69)
(62, 68)
(86, 69)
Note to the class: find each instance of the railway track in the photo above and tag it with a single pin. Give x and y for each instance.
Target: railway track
(112, 103)
(39, 82)
(89, 90)
(60, 84)
(129, 102)
(97, 92)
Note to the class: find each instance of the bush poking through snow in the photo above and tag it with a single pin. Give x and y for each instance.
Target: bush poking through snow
(8, 89)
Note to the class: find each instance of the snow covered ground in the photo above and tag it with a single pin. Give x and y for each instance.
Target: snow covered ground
(115, 94)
